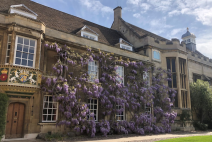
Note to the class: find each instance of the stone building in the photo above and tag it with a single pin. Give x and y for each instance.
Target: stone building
(26, 25)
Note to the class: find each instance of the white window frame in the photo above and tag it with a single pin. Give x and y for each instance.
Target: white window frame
(121, 74)
(97, 72)
(153, 50)
(8, 43)
(49, 108)
(35, 50)
(84, 33)
(120, 115)
(126, 47)
(97, 108)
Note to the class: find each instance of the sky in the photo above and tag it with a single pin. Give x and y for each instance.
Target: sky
(167, 18)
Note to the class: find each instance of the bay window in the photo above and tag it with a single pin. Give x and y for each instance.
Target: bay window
(25, 51)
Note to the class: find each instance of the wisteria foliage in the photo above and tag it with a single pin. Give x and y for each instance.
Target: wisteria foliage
(71, 86)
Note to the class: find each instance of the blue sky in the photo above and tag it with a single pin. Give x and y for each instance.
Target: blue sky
(167, 18)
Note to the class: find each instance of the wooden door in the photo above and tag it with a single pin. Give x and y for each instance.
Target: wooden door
(15, 121)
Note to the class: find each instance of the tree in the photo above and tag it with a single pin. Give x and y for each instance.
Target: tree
(201, 99)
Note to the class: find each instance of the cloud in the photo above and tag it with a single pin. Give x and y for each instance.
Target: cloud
(176, 31)
(145, 6)
(204, 44)
(136, 15)
(96, 6)
(134, 2)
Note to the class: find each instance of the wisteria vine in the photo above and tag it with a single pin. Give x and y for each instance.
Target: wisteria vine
(71, 86)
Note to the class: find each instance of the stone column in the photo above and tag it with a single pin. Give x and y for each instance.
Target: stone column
(37, 59)
(12, 48)
(3, 48)
(178, 83)
(188, 86)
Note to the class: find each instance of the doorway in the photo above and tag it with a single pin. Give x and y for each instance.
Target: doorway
(15, 121)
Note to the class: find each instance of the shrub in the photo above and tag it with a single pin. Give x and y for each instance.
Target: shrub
(54, 136)
(200, 126)
(3, 106)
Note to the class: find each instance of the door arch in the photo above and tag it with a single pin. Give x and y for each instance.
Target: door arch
(15, 121)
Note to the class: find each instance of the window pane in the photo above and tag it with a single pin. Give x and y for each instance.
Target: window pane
(31, 56)
(174, 81)
(173, 65)
(26, 41)
(8, 58)
(8, 52)
(18, 54)
(18, 61)
(26, 48)
(44, 111)
(44, 117)
(20, 40)
(24, 62)
(8, 46)
(19, 47)
(49, 118)
(30, 63)
(168, 63)
(32, 43)
(53, 117)
(24, 55)
(9, 38)
(31, 50)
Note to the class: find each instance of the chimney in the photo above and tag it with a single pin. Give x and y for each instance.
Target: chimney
(117, 12)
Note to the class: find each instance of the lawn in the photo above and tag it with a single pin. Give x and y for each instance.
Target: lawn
(190, 139)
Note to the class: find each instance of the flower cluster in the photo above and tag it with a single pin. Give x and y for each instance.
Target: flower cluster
(71, 86)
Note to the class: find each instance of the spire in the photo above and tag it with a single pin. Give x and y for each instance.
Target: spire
(187, 29)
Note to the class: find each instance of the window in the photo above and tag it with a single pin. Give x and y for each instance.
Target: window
(175, 101)
(93, 70)
(49, 109)
(93, 108)
(120, 72)
(25, 51)
(156, 55)
(89, 35)
(147, 110)
(171, 66)
(182, 65)
(196, 77)
(126, 47)
(8, 49)
(184, 99)
(146, 77)
(188, 40)
(120, 115)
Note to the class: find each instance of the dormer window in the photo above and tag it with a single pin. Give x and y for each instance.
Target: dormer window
(21, 9)
(126, 47)
(88, 33)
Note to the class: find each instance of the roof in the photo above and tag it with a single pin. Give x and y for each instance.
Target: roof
(187, 34)
(141, 32)
(64, 22)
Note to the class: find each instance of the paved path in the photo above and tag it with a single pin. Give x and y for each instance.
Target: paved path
(150, 138)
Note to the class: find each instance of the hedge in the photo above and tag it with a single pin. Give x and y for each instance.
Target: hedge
(3, 106)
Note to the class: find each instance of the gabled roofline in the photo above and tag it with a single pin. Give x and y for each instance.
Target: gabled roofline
(162, 38)
(84, 27)
(19, 5)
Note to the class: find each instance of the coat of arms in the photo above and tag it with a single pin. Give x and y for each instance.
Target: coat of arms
(23, 76)
(3, 76)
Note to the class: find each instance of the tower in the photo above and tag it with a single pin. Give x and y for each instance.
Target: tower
(189, 40)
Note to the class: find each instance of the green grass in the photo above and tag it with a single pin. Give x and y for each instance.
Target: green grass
(190, 139)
